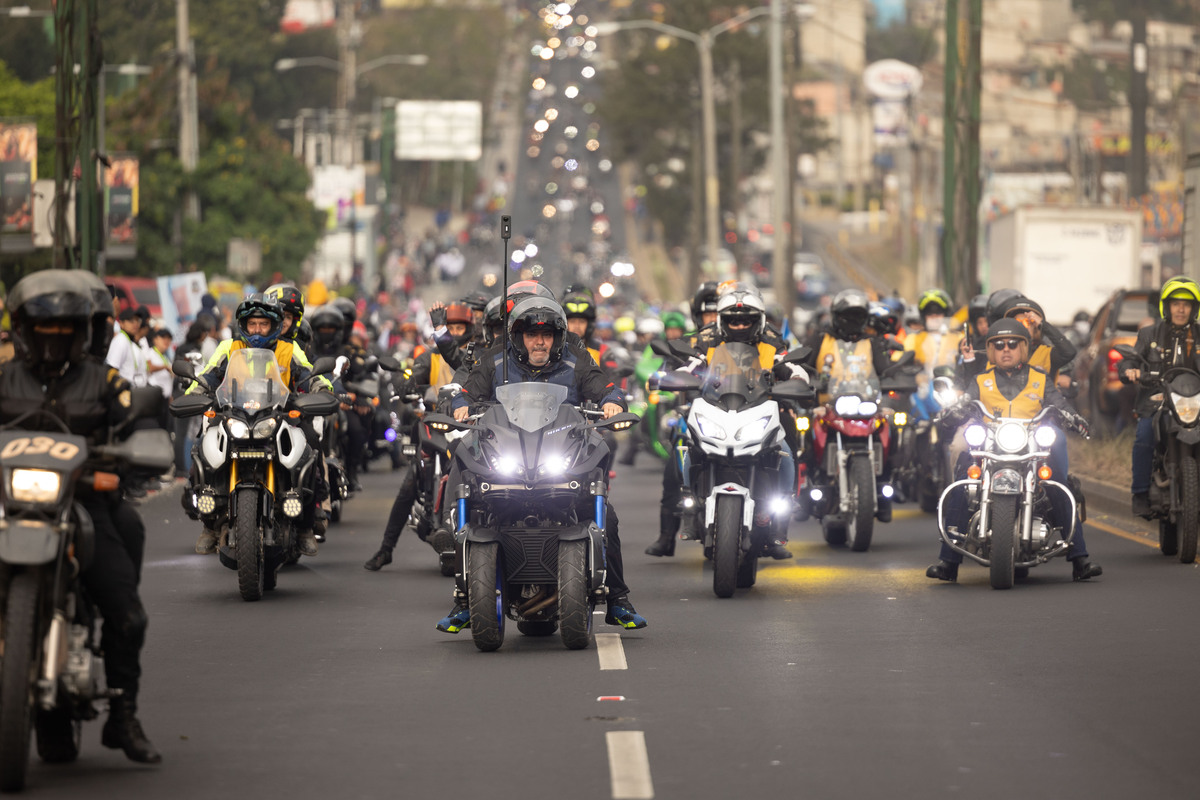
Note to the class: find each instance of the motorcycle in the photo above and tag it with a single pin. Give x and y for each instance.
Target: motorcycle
(730, 448)
(530, 514)
(434, 450)
(1175, 479)
(380, 404)
(851, 446)
(921, 456)
(52, 664)
(255, 462)
(1010, 527)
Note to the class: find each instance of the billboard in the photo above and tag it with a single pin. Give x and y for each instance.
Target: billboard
(180, 297)
(121, 206)
(302, 15)
(18, 171)
(439, 130)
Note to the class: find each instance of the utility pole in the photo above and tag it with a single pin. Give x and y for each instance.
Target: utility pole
(1138, 101)
(960, 203)
(75, 135)
(189, 148)
(781, 172)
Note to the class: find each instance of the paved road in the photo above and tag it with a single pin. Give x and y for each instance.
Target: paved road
(839, 675)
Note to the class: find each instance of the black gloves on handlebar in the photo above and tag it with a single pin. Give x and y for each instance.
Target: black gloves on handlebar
(955, 415)
(1076, 423)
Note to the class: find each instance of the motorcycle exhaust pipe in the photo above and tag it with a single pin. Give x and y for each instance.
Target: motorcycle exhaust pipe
(535, 605)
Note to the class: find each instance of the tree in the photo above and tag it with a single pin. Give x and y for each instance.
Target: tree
(908, 43)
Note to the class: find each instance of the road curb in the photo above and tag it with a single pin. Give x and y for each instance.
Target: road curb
(1110, 499)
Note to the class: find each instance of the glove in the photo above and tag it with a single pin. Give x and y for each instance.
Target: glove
(1077, 423)
(437, 316)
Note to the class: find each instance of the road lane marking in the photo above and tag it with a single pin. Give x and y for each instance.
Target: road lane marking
(629, 766)
(610, 650)
(1140, 538)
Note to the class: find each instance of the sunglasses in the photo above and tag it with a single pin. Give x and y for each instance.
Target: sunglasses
(1006, 344)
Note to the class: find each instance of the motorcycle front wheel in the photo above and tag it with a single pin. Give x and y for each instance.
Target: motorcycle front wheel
(248, 546)
(17, 678)
(1189, 516)
(862, 506)
(727, 541)
(574, 610)
(485, 593)
(1005, 517)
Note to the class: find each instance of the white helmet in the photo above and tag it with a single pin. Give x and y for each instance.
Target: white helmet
(739, 306)
(650, 326)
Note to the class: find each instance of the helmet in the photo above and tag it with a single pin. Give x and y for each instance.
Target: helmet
(996, 302)
(883, 319)
(493, 319)
(328, 324)
(102, 312)
(650, 326)
(741, 307)
(704, 301)
(674, 319)
(1179, 289)
(538, 313)
(579, 288)
(520, 288)
(933, 301)
(49, 297)
(1008, 329)
(977, 308)
(349, 315)
(580, 304)
(291, 300)
(461, 314)
(848, 314)
(1019, 305)
(302, 334)
(258, 306)
(624, 324)
(476, 301)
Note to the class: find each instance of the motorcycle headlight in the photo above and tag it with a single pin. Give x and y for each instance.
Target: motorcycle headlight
(709, 428)
(900, 419)
(946, 398)
(1187, 408)
(1045, 436)
(265, 429)
(847, 405)
(1011, 437)
(238, 429)
(555, 465)
(506, 465)
(975, 435)
(867, 408)
(753, 430)
(35, 485)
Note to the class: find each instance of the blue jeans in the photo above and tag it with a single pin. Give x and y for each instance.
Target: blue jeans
(956, 503)
(1143, 455)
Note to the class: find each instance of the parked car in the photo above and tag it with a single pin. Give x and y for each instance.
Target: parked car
(1101, 397)
(132, 292)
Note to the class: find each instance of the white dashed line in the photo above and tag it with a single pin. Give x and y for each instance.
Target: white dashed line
(612, 654)
(629, 766)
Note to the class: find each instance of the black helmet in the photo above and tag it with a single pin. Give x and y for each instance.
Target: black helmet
(883, 319)
(51, 297)
(303, 335)
(704, 301)
(349, 315)
(476, 301)
(532, 313)
(258, 306)
(848, 314)
(1008, 329)
(977, 308)
(996, 302)
(493, 320)
(102, 314)
(328, 326)
(580, 304)
(291, 300)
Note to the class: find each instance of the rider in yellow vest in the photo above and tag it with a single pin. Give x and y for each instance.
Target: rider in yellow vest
(936, 345)
(1013, 388)
(847, 352)
(1049, 348)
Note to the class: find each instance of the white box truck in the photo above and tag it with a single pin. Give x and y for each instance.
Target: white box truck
(1066, 258)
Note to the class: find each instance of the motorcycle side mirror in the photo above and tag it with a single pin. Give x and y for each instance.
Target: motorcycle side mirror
(676, 381)
(190, 405)
(896, 366)
(147, 449)
(622, 372)
(660, 347)
(900, 383)
(444, 422)
(798, 355)
(372, 364)
(682, 350)
(619, 422)
(146, 402)
(317, 404)
(390, 364)
(1125, 351)
(183, 369)
(325, 365)
(799, 392)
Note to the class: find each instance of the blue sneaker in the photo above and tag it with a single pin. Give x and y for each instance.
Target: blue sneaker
(456, 620)
(622, 613)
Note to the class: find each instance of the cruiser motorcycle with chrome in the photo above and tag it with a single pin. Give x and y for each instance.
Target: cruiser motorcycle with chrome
(530, 513)
(1012, 526)
(52, 667)
(256, 464)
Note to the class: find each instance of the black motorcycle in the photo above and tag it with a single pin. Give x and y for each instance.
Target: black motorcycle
(255, 462)
(531, 514)
(52, 665)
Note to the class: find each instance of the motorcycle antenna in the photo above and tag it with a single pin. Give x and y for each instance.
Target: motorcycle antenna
(505, 234)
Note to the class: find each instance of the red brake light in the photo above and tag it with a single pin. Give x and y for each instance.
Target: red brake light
(1114, 357)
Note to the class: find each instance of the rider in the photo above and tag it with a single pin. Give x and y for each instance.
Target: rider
(704, 305)
(848, 340)
(291, 300)
(538, 350)
(741, 317)
(1171, 342)
(332, 326)
(1013, 388)
(53, 373)
(1050, 349)
(934, 347)
(258, 323)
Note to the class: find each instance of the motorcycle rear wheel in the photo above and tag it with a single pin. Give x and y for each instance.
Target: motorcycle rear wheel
(1189, 517)
(862, 506)
(17, 678)
(58, 736)
(1004, 519)
(248, 546)
(1168, 537)
(727, 541)
(574, 610)
(485, 593)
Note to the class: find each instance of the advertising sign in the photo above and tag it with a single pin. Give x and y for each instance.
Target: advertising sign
(18, 171)
(121, 206)
(437, 130)
(180, 296)
(890, 79)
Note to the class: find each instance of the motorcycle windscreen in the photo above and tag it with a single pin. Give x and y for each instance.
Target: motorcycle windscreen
(252, 381)
(531, 406)
(734, 368)
(858, 375)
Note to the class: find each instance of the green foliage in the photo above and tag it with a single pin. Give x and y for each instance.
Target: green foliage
(33, 101)
(908, 43)
(1090, 87)
(1109, 11)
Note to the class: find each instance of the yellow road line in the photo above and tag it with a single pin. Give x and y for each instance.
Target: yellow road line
(1141, 537)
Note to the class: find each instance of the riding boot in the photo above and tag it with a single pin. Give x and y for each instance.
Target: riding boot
(664, 545)
(123, 731)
